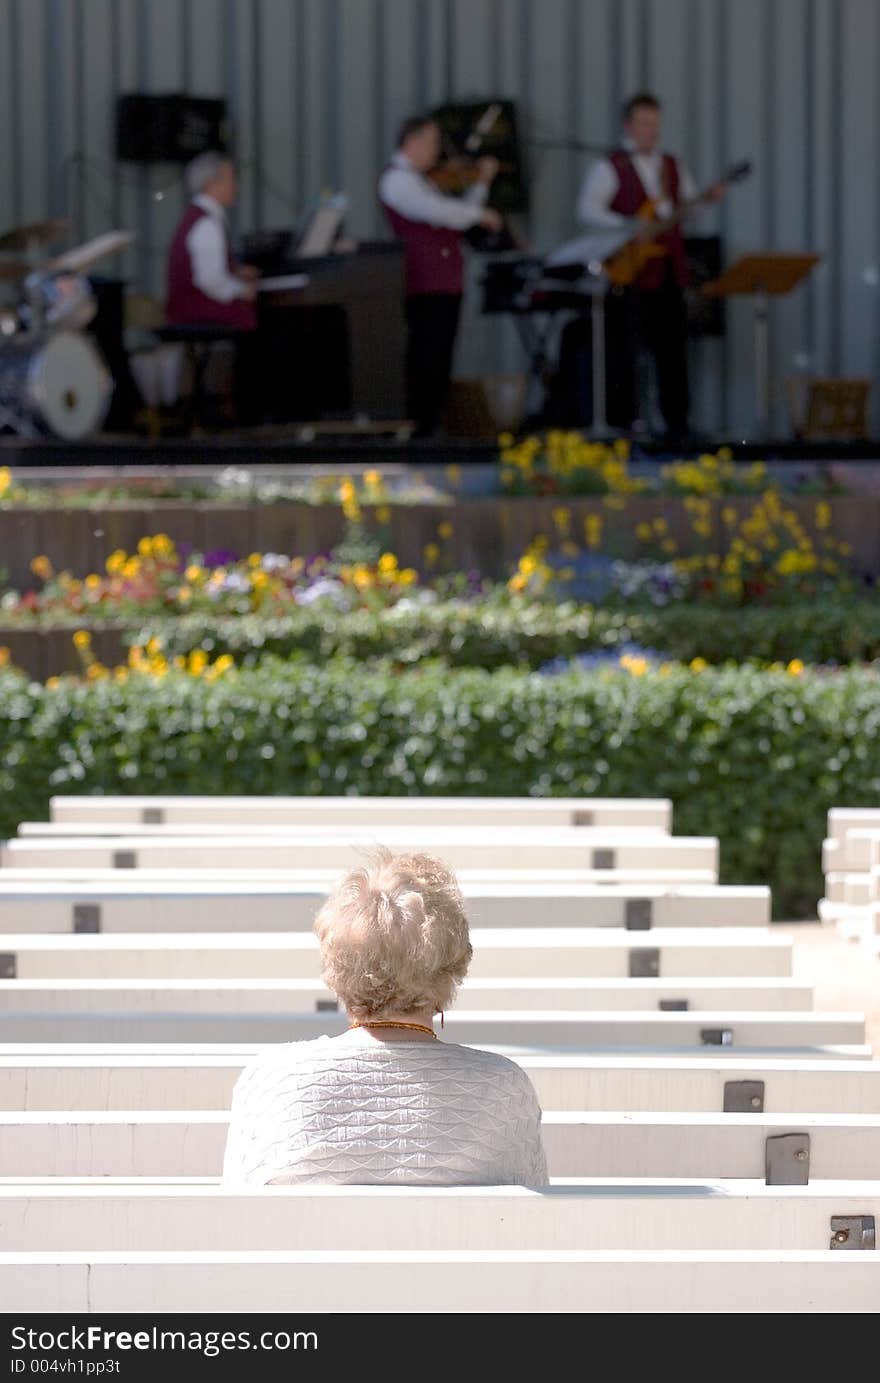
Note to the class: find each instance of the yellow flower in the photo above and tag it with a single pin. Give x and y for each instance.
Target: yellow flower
(795, 667)
(431, 552)
(82, 639)
(131, 568)
(387, 563)
(823, 514)
(154, 646)
(383, 513)
(5, 480)
(444, 530)
(42, 567)
(506, 439)
(162, 545)
(198, 661)
(517, 583)
(193, 573)
(254, 560)
(408, 576)
(184, 595)
(95, 671)
(115, 562)
(145, 547)
(644, 532)
(223, 663)
(698, 665)
(561, 518)
(93, 582)
(52, 683)
(372, 479)
(5, 655)
(636, 666)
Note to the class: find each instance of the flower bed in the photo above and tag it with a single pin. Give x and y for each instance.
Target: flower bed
(754, 757)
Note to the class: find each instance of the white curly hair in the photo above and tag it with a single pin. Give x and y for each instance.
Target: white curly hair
(394, 936)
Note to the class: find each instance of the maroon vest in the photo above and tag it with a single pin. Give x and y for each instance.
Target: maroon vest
(187, 304)
(630, 196)
(431, 255)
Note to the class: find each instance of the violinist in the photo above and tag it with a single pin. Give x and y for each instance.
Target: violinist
(430, 225)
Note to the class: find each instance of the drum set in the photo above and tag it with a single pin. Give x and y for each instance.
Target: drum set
(53, 379)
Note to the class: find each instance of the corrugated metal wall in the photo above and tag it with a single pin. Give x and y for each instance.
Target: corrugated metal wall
(317, 87)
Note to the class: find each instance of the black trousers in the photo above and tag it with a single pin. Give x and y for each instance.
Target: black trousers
(432, 324)
(656, 322)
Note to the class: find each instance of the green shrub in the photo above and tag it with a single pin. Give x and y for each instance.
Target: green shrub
(530, 633)
(754, 757)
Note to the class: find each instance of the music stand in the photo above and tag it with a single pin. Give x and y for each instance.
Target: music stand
(762, 276)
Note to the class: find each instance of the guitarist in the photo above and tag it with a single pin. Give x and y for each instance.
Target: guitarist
(651, 313)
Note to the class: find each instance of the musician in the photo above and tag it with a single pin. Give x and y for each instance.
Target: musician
(430, 225)
(651, 314)
(206, 284)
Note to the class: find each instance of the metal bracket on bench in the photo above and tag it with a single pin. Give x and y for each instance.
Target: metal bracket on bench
(644, 963)
(86, 917)
(853, 1232)
(673, 1005)
(638, 914)
(743, 1097)
(604, 859)
(153, 816)
(124, 859)
(787, 1159)
(326, 1006)
(7, 965)
(582, 818)
(716, 1037)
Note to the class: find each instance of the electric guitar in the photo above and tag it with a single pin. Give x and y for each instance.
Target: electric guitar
(624, 265)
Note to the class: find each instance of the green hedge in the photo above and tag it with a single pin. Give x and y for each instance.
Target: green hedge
(754, 757)
(492, 634)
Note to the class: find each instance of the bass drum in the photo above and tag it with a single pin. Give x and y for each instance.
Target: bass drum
(57, 384)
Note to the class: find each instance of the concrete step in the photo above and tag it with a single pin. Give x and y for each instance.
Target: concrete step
(66, 1215)
(186, 1078)
(233, 998)
(611, 953)
(511, 848)
(139, 901)
(596, 1144)
(344, 811)
(584, 1031)
(525, 1280)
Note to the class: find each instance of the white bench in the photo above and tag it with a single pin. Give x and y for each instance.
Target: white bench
(202, 1077)
(839, 1033)
(562, 1280)
(232, 998)
(498, 953)
(595, 1144)
(115, 901)
(343, 811)
(66, 1215)
(513, 848)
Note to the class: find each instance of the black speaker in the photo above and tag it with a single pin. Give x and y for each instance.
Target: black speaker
(458, 121)
(169, 129)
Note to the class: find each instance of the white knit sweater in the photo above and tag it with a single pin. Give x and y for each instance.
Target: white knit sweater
(396, 1113)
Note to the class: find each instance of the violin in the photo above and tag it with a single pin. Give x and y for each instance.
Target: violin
(455, 173)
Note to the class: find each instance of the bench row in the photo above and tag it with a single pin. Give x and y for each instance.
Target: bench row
(186, 1078)
(233, 999)
(499, 953)
(837, 1034)
(343, 811)
(513, 849)
(169, 901)
(65, 1215)
(788, 1149)
(524, 1280)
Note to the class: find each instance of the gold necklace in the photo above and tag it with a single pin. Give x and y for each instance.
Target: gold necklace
(393, 1023)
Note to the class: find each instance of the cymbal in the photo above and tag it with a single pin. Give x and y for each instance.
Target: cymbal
(39, 232)
(13, 269)
(83, 256)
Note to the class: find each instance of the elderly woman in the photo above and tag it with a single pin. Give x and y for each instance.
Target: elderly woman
(387, 1102)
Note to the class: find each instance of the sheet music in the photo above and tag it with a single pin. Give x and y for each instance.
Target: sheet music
(596, 244)
(282, 281)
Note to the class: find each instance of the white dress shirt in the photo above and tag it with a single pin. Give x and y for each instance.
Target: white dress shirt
(207, 245)
(601, 185)
(607, 230)
(408, 192)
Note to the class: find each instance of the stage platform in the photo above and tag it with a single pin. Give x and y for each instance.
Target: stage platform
(300, 444)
